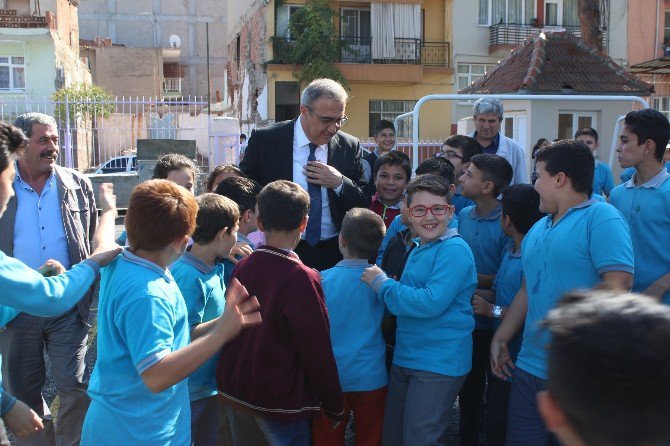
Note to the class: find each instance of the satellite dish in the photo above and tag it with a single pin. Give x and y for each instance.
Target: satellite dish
(175, 41)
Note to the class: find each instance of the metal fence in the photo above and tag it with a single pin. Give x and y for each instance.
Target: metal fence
(427, 148)
(88, 139)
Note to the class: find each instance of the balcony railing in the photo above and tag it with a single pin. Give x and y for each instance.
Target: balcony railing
(172, 85)
(357, 49)
(514, 34)
(9, 19)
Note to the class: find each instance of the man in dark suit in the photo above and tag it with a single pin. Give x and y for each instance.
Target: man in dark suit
(313, 152)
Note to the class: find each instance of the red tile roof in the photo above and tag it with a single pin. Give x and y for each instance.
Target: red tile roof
(558, 63)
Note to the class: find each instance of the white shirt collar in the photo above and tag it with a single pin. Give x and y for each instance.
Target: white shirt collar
(300, 137)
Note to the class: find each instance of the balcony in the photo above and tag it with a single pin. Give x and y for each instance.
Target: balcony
(172, 86)
(9, 19)
(358, 50)
(512, 34)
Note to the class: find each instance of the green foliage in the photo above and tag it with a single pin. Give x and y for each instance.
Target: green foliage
(316, 47)
(83, 101)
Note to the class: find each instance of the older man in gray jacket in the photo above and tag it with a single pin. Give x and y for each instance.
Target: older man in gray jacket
(488, 115)
(52, 216)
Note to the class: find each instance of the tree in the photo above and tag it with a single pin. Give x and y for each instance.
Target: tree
(82, 101)
(589, 21)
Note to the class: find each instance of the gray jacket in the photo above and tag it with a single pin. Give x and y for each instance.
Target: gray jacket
(80, 218)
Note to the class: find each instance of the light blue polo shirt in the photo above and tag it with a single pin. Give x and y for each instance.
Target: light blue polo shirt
(506, 284)
(488, 243)
(355, 327)
(142, 318)
(433, 303)
(589, 240)
(205, 296)
(603, 180)
(647, 211)
(628, 172)
(39, 234)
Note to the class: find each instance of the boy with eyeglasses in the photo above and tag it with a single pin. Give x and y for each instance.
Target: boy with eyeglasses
(479, 225)
(435, 319)
(459, 149)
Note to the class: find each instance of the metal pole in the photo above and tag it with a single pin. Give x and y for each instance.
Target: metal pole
(209, 93)
(502, 97)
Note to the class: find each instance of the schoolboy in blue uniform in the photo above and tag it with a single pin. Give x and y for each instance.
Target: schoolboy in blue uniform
(355, 316)
(479, 225)
(199, 275)
(138, 388)
(603, 180)
(435, 320)
(645, 199)
(579, 244)
(459, 149)
(520, 211)
(244, 192)
(437, 166)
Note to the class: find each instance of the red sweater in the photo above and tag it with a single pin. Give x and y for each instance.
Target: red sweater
(284, 368)
(387, 213)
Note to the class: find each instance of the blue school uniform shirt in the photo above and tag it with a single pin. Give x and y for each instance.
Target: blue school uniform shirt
(628, 172)
(432, 301)
(205, 296)
(603, 180)
(142, 318)
(229, 266)
(355, 316)
(647, 211)
(397, 226)
(506, 284)
(488, 243)
(459, 201)
(589, 240)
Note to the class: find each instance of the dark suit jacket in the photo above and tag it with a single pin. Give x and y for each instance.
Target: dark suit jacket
(269, 157)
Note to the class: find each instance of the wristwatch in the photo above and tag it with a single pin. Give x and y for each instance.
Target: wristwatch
(496, 311)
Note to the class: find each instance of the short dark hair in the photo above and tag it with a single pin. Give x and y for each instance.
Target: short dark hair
(587, 131)
(364, 231)
(609, 366)
(12, 143)
(494, 168)
(218, 170)
(437, 166)
(382, 125)
(169, 162)
(215, 212)
(468, 146)
(521, 203)
(243, 191)
(282, 205)
(394, 158)
(649, 124)
(574, 159)
(434, 184)
(159, 212)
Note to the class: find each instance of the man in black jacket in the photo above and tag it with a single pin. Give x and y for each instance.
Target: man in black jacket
(312, 151)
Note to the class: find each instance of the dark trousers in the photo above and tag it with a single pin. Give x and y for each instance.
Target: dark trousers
(471, 397)
(496, 410)
(324, 255)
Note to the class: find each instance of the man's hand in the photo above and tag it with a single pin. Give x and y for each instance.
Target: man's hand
(22, 421)
(501, 362)
(241, 311)
(322, 174)
(480, 306)
(370, 274)
(105, 254)
(51, 268)
(106, 198)
(239, 249)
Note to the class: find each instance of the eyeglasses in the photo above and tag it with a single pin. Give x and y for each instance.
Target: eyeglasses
(449, 154)
(436, 209)
(325, 120)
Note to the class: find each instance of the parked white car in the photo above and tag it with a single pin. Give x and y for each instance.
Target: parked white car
(119, 164)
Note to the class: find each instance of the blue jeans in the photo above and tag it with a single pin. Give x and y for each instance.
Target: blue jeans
(524, 424)
(286, 433)
(205, 421)
(418, 406)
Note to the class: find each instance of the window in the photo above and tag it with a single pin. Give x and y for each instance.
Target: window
(284, 15)
(570, 122)
(12, 73)
(491, 12)
(355, 32)
(469, 73)
(385, 109)
(662, 104)
(666, 29)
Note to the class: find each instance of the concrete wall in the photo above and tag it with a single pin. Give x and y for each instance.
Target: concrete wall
(125, 71)
(645, 30)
